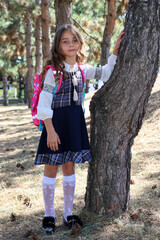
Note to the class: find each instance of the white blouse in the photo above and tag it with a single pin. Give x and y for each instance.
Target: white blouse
(103, 73)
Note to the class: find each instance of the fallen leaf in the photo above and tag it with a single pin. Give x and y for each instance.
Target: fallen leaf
(13, 217)
(134, 215)
(19, 197)
(132, 182)
(18, 165)
(9, 149)
(154, 186)
(31, 234)
(22, 167)
(148, 212)
(27, 202)
(8, 184)
(76, 229)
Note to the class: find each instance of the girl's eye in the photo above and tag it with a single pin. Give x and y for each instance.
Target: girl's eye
(75, 40)
(65, 42)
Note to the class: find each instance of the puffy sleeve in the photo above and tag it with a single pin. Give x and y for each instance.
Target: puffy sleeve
(44, 110)
(101, 73)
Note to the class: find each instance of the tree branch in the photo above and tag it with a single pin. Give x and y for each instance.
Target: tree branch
(86, 32)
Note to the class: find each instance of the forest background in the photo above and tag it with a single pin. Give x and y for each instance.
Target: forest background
(21, 198)
(89, 16)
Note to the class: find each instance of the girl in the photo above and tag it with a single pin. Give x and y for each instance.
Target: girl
(64, 140)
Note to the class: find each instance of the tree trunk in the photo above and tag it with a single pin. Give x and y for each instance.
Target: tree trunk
(38, 2)
(20, 86)
(109, 27)
(29, 60)
(87, 86)
(5, 91)
(117, 110)
(25, 89)
(63, 9)
(45, 18)
(38, 67)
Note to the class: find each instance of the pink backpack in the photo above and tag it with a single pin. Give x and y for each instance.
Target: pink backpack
(37, 90)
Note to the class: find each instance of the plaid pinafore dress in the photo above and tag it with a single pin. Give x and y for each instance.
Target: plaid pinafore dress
(69, 123)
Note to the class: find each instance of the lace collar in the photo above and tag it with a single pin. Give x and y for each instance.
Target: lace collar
(68, 67)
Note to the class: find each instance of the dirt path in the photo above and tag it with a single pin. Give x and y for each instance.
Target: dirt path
(21, 201)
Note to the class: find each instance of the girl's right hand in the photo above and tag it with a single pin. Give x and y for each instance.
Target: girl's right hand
(118, 43)
(53, 140)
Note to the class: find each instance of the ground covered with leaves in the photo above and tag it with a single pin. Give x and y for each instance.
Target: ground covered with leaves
(21, 200)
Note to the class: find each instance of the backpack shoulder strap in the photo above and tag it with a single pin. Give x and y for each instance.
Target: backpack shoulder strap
(83, 72)
(50, 66)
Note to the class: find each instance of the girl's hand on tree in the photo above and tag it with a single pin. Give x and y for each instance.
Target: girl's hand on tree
(53, 140)
(118, 43)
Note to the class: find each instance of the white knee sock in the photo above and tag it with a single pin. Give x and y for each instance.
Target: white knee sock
(68, 192)
(48, 195)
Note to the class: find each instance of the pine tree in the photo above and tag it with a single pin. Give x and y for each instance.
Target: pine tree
(63, 10)
(118, 108)
(45, 22)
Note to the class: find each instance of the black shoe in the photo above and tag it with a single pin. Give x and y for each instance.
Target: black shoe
(48, 224)
(71, 220)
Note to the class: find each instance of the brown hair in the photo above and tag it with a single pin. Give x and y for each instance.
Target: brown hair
(57, 56)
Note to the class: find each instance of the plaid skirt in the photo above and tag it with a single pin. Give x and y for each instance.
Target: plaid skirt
(69, 123)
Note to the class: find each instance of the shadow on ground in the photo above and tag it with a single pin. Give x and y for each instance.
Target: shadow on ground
(144, 224)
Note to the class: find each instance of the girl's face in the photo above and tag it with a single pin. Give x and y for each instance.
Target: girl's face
(69, 44)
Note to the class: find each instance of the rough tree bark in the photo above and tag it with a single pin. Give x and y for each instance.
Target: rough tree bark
(30, 69)
(38, 2)
(109, 27)
(20, 85)
(87, 86)
(63, 10)
(38, 44)
(45, 18)
(117, 110)
(5, 91)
